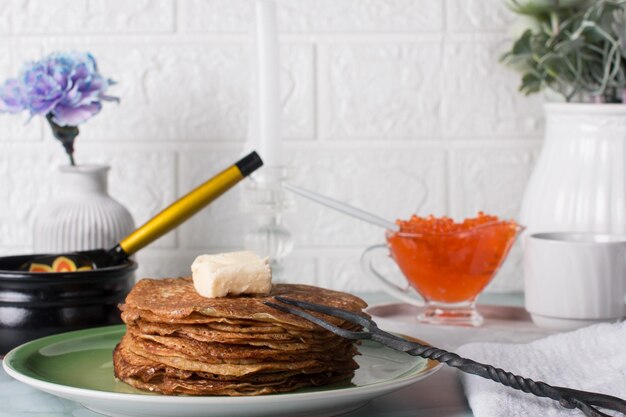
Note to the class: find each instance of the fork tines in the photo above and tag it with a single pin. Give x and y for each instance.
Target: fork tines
(331, 311)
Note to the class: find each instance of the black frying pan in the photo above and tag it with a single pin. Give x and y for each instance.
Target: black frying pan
(36, 304)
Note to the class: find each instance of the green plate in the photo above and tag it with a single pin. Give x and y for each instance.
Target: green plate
(78, 366)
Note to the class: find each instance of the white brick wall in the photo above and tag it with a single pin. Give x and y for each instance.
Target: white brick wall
(396, 106)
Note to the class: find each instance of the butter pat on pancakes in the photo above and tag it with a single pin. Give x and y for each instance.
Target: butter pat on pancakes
(231, 273)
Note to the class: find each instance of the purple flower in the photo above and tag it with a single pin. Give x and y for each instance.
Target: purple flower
(67, 87)
(12, 97)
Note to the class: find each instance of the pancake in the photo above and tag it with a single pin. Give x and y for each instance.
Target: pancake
(284, 340)
(216, 352)
(211, 333)
(233, 369)
(131, 315)
(220, 353)
(177, 299)
(174, 381)
(128, 364)
(224, 332)
(180, 343)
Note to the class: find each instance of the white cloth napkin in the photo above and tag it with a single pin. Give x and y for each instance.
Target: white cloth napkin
(591, 359)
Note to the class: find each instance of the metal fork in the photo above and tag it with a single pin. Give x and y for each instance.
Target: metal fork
(568, 398)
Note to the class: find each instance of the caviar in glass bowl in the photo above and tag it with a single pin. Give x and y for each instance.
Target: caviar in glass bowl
(450, 263)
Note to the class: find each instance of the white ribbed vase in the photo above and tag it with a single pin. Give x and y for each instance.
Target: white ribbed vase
(579, 182)
(83, 215)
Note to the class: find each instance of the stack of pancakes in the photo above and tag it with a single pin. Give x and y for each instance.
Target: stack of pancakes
(178, 342)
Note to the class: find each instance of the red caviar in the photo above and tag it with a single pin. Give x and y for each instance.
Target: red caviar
(451, 262)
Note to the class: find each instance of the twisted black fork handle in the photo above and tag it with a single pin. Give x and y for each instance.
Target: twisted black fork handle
(568, 398)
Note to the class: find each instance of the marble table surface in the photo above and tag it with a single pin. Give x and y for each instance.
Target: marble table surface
(440, 395)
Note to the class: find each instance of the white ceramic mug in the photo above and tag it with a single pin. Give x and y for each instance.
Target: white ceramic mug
(575, 279)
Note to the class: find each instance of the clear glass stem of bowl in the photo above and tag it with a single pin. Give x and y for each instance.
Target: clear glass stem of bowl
(457, 314)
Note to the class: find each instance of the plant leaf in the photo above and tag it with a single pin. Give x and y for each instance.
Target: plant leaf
(522, 45)
(531, 83)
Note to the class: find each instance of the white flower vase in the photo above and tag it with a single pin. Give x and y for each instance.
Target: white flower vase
(83, 215)
(579, 182)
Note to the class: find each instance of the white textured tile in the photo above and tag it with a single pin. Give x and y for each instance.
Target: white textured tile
(163, 264)
(299, 268)
(297, 86)
(391, 183)
(362, 16)
(491, 179)
(26, 186)
(381, 90)
(172, 92)
(481, 97)
(221, 224)
(93, 16)
(7, 12)
(477, 15)
(315, 16)
(191, 90)
(143, 181)
(216, 16)
(344, 273)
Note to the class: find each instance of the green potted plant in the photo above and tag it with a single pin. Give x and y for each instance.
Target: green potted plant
(575, 52)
